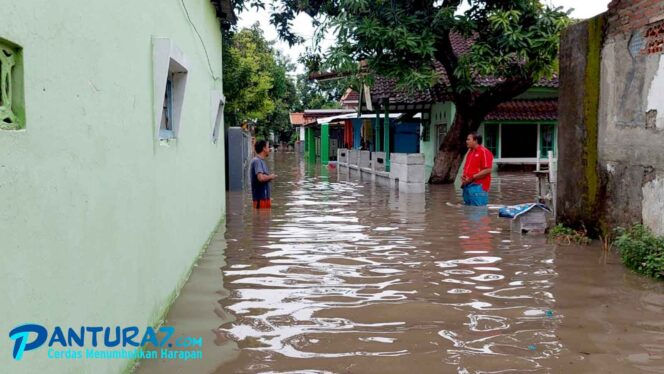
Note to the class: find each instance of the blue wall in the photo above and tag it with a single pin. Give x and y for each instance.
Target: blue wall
(406, 137)
(357, 132)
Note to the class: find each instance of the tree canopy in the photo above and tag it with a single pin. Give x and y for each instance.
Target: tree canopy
(513, 41)
(259, 87)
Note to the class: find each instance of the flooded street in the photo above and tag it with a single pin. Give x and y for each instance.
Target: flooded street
(343, 276)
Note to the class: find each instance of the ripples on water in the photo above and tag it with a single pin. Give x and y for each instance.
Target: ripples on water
(345, 276)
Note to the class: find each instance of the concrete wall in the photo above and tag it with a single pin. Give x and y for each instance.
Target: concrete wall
(611, 131)
(100, 223)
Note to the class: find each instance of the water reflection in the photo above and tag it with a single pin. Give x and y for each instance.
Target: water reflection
(348, 276)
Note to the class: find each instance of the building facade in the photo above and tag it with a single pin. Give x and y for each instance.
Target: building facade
(111, 162)
(517, 131)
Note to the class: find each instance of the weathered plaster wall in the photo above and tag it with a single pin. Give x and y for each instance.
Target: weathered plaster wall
(653, 204)
(631, 133)
(99, 222)
(618, 131)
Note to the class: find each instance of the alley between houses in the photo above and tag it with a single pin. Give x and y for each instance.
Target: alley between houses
(345, 276)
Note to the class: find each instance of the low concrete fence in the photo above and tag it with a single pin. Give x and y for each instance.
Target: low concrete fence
(379, 161)
(342, 156)
(365, 160)
(407, 170)
(353, 158)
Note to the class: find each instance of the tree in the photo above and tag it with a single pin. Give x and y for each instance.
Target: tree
(284, 96)
(256, 83)
(315, 95)
(248, 76)
(515, 41)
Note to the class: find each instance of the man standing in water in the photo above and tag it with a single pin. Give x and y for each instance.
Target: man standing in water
(476, 178)
(261, 177)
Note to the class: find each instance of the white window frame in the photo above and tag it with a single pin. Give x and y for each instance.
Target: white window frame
(169, 63)
(217, 103)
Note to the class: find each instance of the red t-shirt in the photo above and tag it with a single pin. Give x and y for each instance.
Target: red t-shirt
(477, 160)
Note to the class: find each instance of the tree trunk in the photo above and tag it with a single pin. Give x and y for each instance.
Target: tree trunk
(451, 152)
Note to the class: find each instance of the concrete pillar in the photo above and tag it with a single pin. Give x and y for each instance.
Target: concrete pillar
(310, 144)
(325, 143)
(377, 133)
(386, 148)
(579, 183)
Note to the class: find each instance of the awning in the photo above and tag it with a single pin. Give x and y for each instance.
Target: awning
(344, 117)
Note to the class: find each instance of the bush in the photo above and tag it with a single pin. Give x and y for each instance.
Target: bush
(564, 235)
(642, 251)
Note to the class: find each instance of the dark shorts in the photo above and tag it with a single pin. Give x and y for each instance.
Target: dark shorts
(474, 195)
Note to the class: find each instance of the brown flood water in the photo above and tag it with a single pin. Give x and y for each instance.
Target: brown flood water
(343, 276)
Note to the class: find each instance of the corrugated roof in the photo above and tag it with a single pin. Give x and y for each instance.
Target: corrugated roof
(311, 115)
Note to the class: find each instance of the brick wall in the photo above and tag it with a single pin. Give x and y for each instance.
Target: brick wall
(625, 16)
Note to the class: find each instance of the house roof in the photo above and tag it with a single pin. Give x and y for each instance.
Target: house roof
(350, 96)
(312, 115)
(385, 87)
(344, 117)
(225, 12)
(297, 119)
(526, 110)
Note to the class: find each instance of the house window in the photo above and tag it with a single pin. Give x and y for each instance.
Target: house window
(170, 80)
(518, 140)
(166, 128)
(12, 109)
(441, 132)
(547, 140)
(217, 103)
(491, 135)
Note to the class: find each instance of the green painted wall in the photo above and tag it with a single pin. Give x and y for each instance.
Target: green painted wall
(441, 113)
(100, 223)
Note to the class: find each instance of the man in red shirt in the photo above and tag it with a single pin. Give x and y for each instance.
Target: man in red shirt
(476, 179)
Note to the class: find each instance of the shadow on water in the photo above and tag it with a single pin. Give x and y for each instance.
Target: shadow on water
(343, 275)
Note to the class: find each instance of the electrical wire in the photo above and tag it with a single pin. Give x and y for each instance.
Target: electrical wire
(200, 38)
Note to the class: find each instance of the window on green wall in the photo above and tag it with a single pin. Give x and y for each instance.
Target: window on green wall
(547, 140)
(491, 134)
(12, 113)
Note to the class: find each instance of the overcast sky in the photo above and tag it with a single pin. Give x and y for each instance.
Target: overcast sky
(302, 25)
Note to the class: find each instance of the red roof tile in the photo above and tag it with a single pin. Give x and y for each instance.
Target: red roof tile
(387, 88)
(297, 119)
(350, 95)
(526, 110)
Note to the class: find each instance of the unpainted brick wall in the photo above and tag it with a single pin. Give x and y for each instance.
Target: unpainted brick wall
(625, 16)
